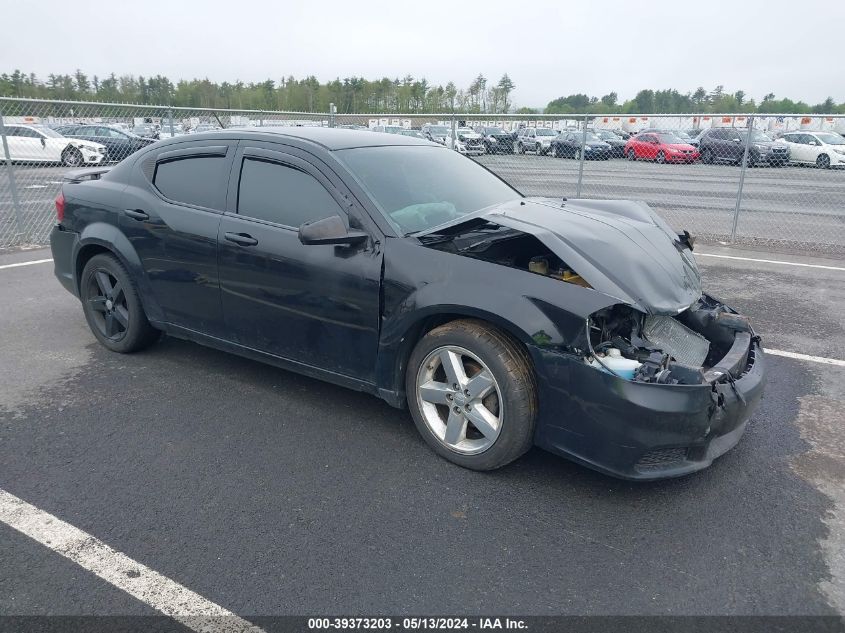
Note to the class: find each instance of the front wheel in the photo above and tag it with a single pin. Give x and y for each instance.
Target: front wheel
(72, 157)
(556, 151)
(661, 157)
(112, 306)
(823, 161)
(707, 156)
(632, 155)
(472, 393)
(520, 148)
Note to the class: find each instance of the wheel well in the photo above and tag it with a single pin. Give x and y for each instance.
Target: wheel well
(426, 325)
(86, 253)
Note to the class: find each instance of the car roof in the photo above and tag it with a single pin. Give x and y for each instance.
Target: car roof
(330, 138)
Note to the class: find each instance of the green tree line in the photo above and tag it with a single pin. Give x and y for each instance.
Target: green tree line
(673, 102)
(350, 95)
(360, 95)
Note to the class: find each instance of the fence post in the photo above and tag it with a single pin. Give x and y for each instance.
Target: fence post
(581, 162)
(16, 203)
(332, 112)
(749, 129)
(170, 118)
(453, 134)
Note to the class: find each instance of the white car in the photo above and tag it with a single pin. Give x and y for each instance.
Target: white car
(164, 132)
(40, 144)
(467, 141)
(822, 149)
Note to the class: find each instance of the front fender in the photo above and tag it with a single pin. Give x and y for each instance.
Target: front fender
(422, 285)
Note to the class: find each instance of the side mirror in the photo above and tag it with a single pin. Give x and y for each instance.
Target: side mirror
(813, 143)
(737, 140)
(330, 230)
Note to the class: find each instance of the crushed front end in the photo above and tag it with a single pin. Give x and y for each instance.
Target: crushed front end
(648, 397)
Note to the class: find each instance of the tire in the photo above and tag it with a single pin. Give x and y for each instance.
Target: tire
(660, 158)
(577, 154)
(823, 161)
(556, 151)
(72, 157)
(632, 155)
(707, 156)
(112, 306)
(507, 407)
(520, 148)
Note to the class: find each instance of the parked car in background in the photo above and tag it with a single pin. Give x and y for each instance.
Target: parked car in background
(534, 139)
(118, 144)
(41, 144)
(617, 144)
(467, 141)
(164, 132)
(496, 140)
(822, 149)
(146, 130)
(681, 134)
(661, 147)
(388, 129)
(395, 267)
(568, 145)
(435, 132)
(412, 133)
(727, 145)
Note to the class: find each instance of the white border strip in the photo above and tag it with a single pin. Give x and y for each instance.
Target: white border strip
(771, 261)
(16, 265)
(117, 569)
(812, 359)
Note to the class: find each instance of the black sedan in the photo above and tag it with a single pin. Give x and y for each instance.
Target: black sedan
(496, 140)
(394, 266)
(119, 144)
(569, 145)
(616, 142)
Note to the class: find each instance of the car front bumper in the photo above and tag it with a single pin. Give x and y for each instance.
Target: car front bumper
(637, 430)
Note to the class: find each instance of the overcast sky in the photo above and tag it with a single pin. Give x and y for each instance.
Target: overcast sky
(548, 48)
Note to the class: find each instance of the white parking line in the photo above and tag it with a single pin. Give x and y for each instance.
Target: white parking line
(117, 569)
(35, 261)
(770, 261)
(812, 359)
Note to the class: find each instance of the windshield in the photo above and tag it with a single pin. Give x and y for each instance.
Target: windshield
(46, 131)
(494, 130)
(591, 138)
(418, 187)
(605, 135)
(541, 131)
(438, 130)
(670, 139)
(830, 138)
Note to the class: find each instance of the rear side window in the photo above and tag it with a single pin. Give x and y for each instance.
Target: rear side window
(283, 194)
(193, 180)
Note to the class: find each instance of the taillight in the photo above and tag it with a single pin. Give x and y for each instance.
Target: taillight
(60, 207)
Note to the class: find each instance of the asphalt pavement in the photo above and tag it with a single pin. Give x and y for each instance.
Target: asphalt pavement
(270, 493)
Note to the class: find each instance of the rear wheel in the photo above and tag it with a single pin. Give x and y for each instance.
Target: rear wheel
(72, 157)
(472, 394)
(556, 151)
(577, 154)
(823, 161)
(661, 157)
(112, 306)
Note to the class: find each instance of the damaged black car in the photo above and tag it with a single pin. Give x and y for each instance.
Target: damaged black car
(394, 266)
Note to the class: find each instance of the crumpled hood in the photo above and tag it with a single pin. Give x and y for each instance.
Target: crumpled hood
(620, 247)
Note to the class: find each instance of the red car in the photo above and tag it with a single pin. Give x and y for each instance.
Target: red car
(662, 147)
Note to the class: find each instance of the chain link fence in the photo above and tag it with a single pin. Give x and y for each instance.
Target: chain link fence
(768, 181)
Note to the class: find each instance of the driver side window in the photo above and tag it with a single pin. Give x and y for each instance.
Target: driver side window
(283, 194)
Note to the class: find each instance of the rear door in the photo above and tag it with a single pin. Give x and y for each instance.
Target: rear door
(317, 305)
(172, 209)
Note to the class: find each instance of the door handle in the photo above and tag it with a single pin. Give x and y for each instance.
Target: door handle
(244, 239)
(136, 214)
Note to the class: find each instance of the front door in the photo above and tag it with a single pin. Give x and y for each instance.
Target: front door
(317, 304)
